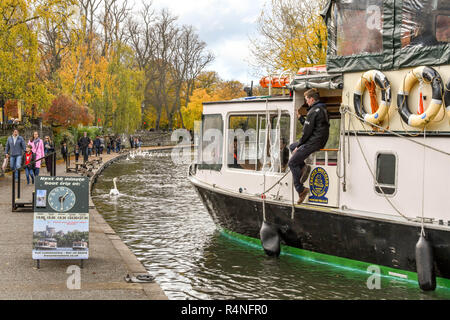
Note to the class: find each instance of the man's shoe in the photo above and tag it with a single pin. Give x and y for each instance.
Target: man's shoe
(302, 196)
(306, 170)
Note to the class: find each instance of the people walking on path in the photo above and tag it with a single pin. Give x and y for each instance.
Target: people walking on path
(108, 144)
(84, 144)
(102, 145)
(97, 144)
(77, 152)
(316, 128)
(15, 147)
(64, 151)
(118, 141)
(49, 149)
(29, 163)
(37, 146)
(90, 147)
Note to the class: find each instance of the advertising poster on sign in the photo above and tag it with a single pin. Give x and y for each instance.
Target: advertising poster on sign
(61, 218)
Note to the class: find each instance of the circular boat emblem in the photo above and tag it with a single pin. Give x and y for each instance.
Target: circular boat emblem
(319, 183)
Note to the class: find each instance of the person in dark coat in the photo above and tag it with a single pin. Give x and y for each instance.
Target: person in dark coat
(84, 144)
(77, 152)
(316, 131)
(49, 148)
(97, 144)
(64, 151)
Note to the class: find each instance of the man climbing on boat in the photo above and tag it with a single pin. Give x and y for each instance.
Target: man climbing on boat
(315, 135)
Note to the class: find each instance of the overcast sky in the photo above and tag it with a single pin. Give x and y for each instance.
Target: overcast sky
(225, 25)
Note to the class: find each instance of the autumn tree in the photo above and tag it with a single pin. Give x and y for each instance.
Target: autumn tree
(291, 35)
(20, 21)
(65, 112)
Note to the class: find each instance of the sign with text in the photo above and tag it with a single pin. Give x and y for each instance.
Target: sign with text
(61, 218)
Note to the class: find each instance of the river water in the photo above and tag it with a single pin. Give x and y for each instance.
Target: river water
(163, 221)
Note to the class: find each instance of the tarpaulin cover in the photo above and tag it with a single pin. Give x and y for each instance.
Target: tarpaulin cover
(386, 34)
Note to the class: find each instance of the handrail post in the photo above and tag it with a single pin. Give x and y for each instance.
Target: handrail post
(67, 160)
(54, 164)
(18, 184)
(13, 191)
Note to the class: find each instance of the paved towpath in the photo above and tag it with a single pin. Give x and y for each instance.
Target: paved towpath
(102, 276)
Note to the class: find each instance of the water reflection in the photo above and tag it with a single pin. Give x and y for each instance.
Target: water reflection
(160, 217)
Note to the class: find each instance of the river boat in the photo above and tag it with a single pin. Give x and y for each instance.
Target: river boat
(379, 191)
(79, 245)
(46, 244)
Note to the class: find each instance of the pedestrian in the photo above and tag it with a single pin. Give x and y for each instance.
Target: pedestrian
(29, 163)
(49, 149)
(84, 144)
(102, 145)
(77, 152)
(131, 142)
(37, 146)
(97, 144)
(315, 136)
(64, 151)
(90, 147)
(108, 144)
(118, 144)
(15, 147)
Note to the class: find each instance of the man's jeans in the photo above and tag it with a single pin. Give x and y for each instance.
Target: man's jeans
(297, 162)
(15, 162)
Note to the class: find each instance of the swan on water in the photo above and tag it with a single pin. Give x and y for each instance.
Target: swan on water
(114, 192)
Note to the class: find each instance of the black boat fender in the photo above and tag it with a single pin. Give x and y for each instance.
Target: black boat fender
(425, 264)
(270, 239)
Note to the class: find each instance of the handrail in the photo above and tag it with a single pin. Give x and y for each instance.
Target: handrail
(329, 150)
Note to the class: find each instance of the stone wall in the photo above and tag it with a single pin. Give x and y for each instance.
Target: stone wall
(154, 139)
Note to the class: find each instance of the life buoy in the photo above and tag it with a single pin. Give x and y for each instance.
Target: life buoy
(426, 74)
(447, 98)
(381, 81)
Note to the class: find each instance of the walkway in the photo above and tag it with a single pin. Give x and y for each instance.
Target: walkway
(102, 276)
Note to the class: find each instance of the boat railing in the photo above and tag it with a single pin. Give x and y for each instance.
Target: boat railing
(325, 157)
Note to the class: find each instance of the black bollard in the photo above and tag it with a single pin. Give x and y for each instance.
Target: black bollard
(270, 239)
(425, 265)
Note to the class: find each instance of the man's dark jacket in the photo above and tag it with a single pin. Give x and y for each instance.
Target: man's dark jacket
(84, 142)
(316, 127)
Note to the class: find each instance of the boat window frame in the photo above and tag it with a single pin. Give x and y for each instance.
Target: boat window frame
(259, 115)
(379, 185)
(206, 166)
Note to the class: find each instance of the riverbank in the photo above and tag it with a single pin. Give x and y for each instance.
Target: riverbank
(102, 275)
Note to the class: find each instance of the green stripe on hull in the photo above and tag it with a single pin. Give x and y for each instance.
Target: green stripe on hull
(341, 263)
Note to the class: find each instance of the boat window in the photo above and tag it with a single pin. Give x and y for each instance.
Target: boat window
(425, 23)
(330, 156)
(386, 173)
(211, 142)
(278, 144)
(247, 142)
(358, 27)
(242, 142)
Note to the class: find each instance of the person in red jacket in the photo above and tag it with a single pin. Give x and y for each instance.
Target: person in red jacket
(30, 165)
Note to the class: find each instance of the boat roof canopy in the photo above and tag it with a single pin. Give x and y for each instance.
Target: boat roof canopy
(316, 77)
(386, 34)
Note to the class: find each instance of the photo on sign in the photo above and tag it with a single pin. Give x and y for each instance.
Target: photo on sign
(41, 198)
(55, 234)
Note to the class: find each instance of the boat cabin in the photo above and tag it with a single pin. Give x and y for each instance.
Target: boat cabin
(386, 85)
